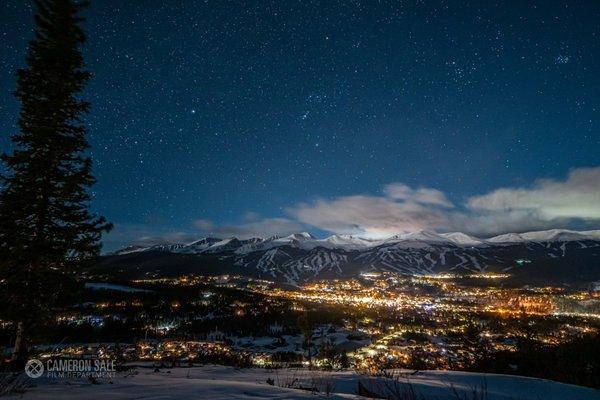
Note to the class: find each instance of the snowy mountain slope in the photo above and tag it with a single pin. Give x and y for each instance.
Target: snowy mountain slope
(418, 239)
(463, 239)
(553, 235)
(345, 242)
(556, 254)
(199, 245)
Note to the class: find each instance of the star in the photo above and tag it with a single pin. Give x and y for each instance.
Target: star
(386, 100)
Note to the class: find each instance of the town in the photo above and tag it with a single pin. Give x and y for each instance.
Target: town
(375, 322)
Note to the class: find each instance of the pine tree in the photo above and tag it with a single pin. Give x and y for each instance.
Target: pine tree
(46, 228)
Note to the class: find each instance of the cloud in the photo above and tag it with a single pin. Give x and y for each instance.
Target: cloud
(125, 234)
(402, 208)
(150, 234)
(204, 225)
(399, 191)
(487, 224)
(254, 226)
(577, 197)
(368, 215)
(166, 238)
(546, 204)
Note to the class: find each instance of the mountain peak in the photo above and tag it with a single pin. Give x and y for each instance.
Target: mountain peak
(347, 242)
(460, 238)
(551, 235)
(299, 236)
(299, 257)
(420, 235)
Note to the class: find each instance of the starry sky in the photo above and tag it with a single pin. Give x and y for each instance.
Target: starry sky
(359, 117)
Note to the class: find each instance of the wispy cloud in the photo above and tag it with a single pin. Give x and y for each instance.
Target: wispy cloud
(371, 216)
(422, 195)
(144, 235)
(254, 226)
(547, 203)
(578, 196)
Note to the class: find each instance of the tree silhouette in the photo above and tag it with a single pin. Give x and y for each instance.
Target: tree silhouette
(46, 227)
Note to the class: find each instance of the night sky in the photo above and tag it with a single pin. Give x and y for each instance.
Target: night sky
(360, 117)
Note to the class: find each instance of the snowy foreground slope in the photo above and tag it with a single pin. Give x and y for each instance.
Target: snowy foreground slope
(219, 382)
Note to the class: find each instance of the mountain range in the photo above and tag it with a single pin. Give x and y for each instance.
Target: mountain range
(552, 256)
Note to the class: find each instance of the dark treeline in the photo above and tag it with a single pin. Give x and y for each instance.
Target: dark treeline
(576, 362)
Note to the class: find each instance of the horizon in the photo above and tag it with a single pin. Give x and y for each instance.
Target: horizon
(148, 242)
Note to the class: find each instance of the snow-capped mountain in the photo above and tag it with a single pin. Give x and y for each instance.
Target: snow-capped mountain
(300, 257)
(199, 246)
(553, 235)
(460, 238)
(416, 239)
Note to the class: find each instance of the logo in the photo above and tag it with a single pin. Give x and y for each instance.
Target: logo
(71, 368)
(34, 368)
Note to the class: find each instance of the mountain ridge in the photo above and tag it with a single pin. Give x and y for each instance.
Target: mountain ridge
(541, 257)
(353, 242)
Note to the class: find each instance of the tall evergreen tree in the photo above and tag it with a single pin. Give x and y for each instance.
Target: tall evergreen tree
(46, 228)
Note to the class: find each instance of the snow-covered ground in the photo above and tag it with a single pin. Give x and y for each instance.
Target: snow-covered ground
(219, 382)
